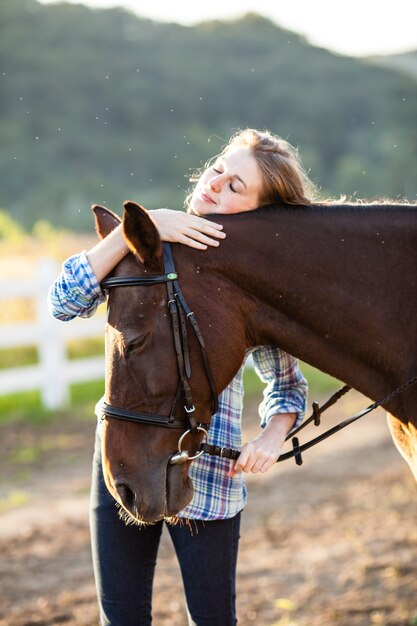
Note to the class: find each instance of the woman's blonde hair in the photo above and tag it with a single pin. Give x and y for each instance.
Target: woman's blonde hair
(283, 176)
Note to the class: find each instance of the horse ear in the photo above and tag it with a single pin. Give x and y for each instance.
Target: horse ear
(141, 233)
(106, 220)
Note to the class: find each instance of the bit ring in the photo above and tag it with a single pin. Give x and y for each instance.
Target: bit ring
(183, 436)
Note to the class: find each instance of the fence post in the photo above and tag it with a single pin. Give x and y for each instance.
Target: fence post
(51, 343)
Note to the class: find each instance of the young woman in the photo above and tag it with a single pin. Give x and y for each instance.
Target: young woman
(254, 169)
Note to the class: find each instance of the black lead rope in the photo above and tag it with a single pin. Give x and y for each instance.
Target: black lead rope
(296, 452)
(318, 410)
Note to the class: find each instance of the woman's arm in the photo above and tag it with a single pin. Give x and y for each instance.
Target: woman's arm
(281, 409)
(107, 253)
(76, 291)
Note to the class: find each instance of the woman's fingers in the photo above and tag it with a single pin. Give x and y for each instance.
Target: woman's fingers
(203, 225)
(243, 463)
(190, 230)
(192, 243)
(252, 466)
(202, 230)
(204, 237)
(254, 460)
(266, 465)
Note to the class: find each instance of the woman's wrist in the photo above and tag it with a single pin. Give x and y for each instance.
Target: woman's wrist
(107, 253)
(280, 424)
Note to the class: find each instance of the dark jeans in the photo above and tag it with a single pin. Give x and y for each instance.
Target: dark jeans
(124, 560)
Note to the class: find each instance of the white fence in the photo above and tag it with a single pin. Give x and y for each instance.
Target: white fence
(54, 372)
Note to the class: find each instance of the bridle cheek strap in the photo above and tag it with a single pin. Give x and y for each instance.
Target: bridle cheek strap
(180, 313)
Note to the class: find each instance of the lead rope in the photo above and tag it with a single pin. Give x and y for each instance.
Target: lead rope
(318, 410)
(297, 450)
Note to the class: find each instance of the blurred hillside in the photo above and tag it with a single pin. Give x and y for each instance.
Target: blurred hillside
(101, 106)
(405, 62)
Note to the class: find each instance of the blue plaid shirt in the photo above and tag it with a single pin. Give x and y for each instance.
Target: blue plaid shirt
(76, 292)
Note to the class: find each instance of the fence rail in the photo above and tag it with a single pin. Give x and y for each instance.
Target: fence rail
(54, 372)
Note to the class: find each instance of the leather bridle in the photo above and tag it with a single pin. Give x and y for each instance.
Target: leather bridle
(180, 315)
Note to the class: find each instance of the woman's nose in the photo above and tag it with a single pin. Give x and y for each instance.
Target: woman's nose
(216, 183)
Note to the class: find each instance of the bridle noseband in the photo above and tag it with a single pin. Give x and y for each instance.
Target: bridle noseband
(180, 314)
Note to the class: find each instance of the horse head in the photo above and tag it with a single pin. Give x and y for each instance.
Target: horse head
(142, 376)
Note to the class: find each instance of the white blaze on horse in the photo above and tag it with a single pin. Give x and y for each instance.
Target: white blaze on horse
(334, 285)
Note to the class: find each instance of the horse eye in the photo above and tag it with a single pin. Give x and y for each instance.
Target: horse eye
(137, 344)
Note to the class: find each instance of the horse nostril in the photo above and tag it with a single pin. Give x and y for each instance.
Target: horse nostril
(127, 496)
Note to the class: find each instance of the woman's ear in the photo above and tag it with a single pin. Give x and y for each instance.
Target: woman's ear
(106, 220)
(141, 233)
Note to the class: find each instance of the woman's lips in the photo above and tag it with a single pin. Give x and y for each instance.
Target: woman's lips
(206, 198)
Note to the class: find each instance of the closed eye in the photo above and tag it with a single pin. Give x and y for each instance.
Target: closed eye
(230, 184)
(136, 345)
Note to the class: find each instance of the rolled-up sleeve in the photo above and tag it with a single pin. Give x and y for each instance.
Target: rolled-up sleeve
(76, 292)
(286, 389)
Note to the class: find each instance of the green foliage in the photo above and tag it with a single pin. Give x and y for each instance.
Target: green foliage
(27, 406)
(99, 106)
(27, 355)
(23, 406)
(18, 357)
(10, 229)
(81, 348)
(13, 500)
(44, 231)
(86, 395)
(319, 383)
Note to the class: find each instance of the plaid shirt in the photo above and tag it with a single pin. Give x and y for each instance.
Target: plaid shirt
(76, 292)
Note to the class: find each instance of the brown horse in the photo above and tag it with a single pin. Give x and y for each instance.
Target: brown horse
(335, 286)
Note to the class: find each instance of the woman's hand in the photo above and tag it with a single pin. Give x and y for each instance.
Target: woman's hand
(191, 230)
(262, 453)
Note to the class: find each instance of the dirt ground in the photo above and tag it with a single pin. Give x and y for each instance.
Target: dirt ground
(333, 542)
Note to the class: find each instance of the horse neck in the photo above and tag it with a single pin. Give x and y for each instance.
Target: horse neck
(330, 285)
